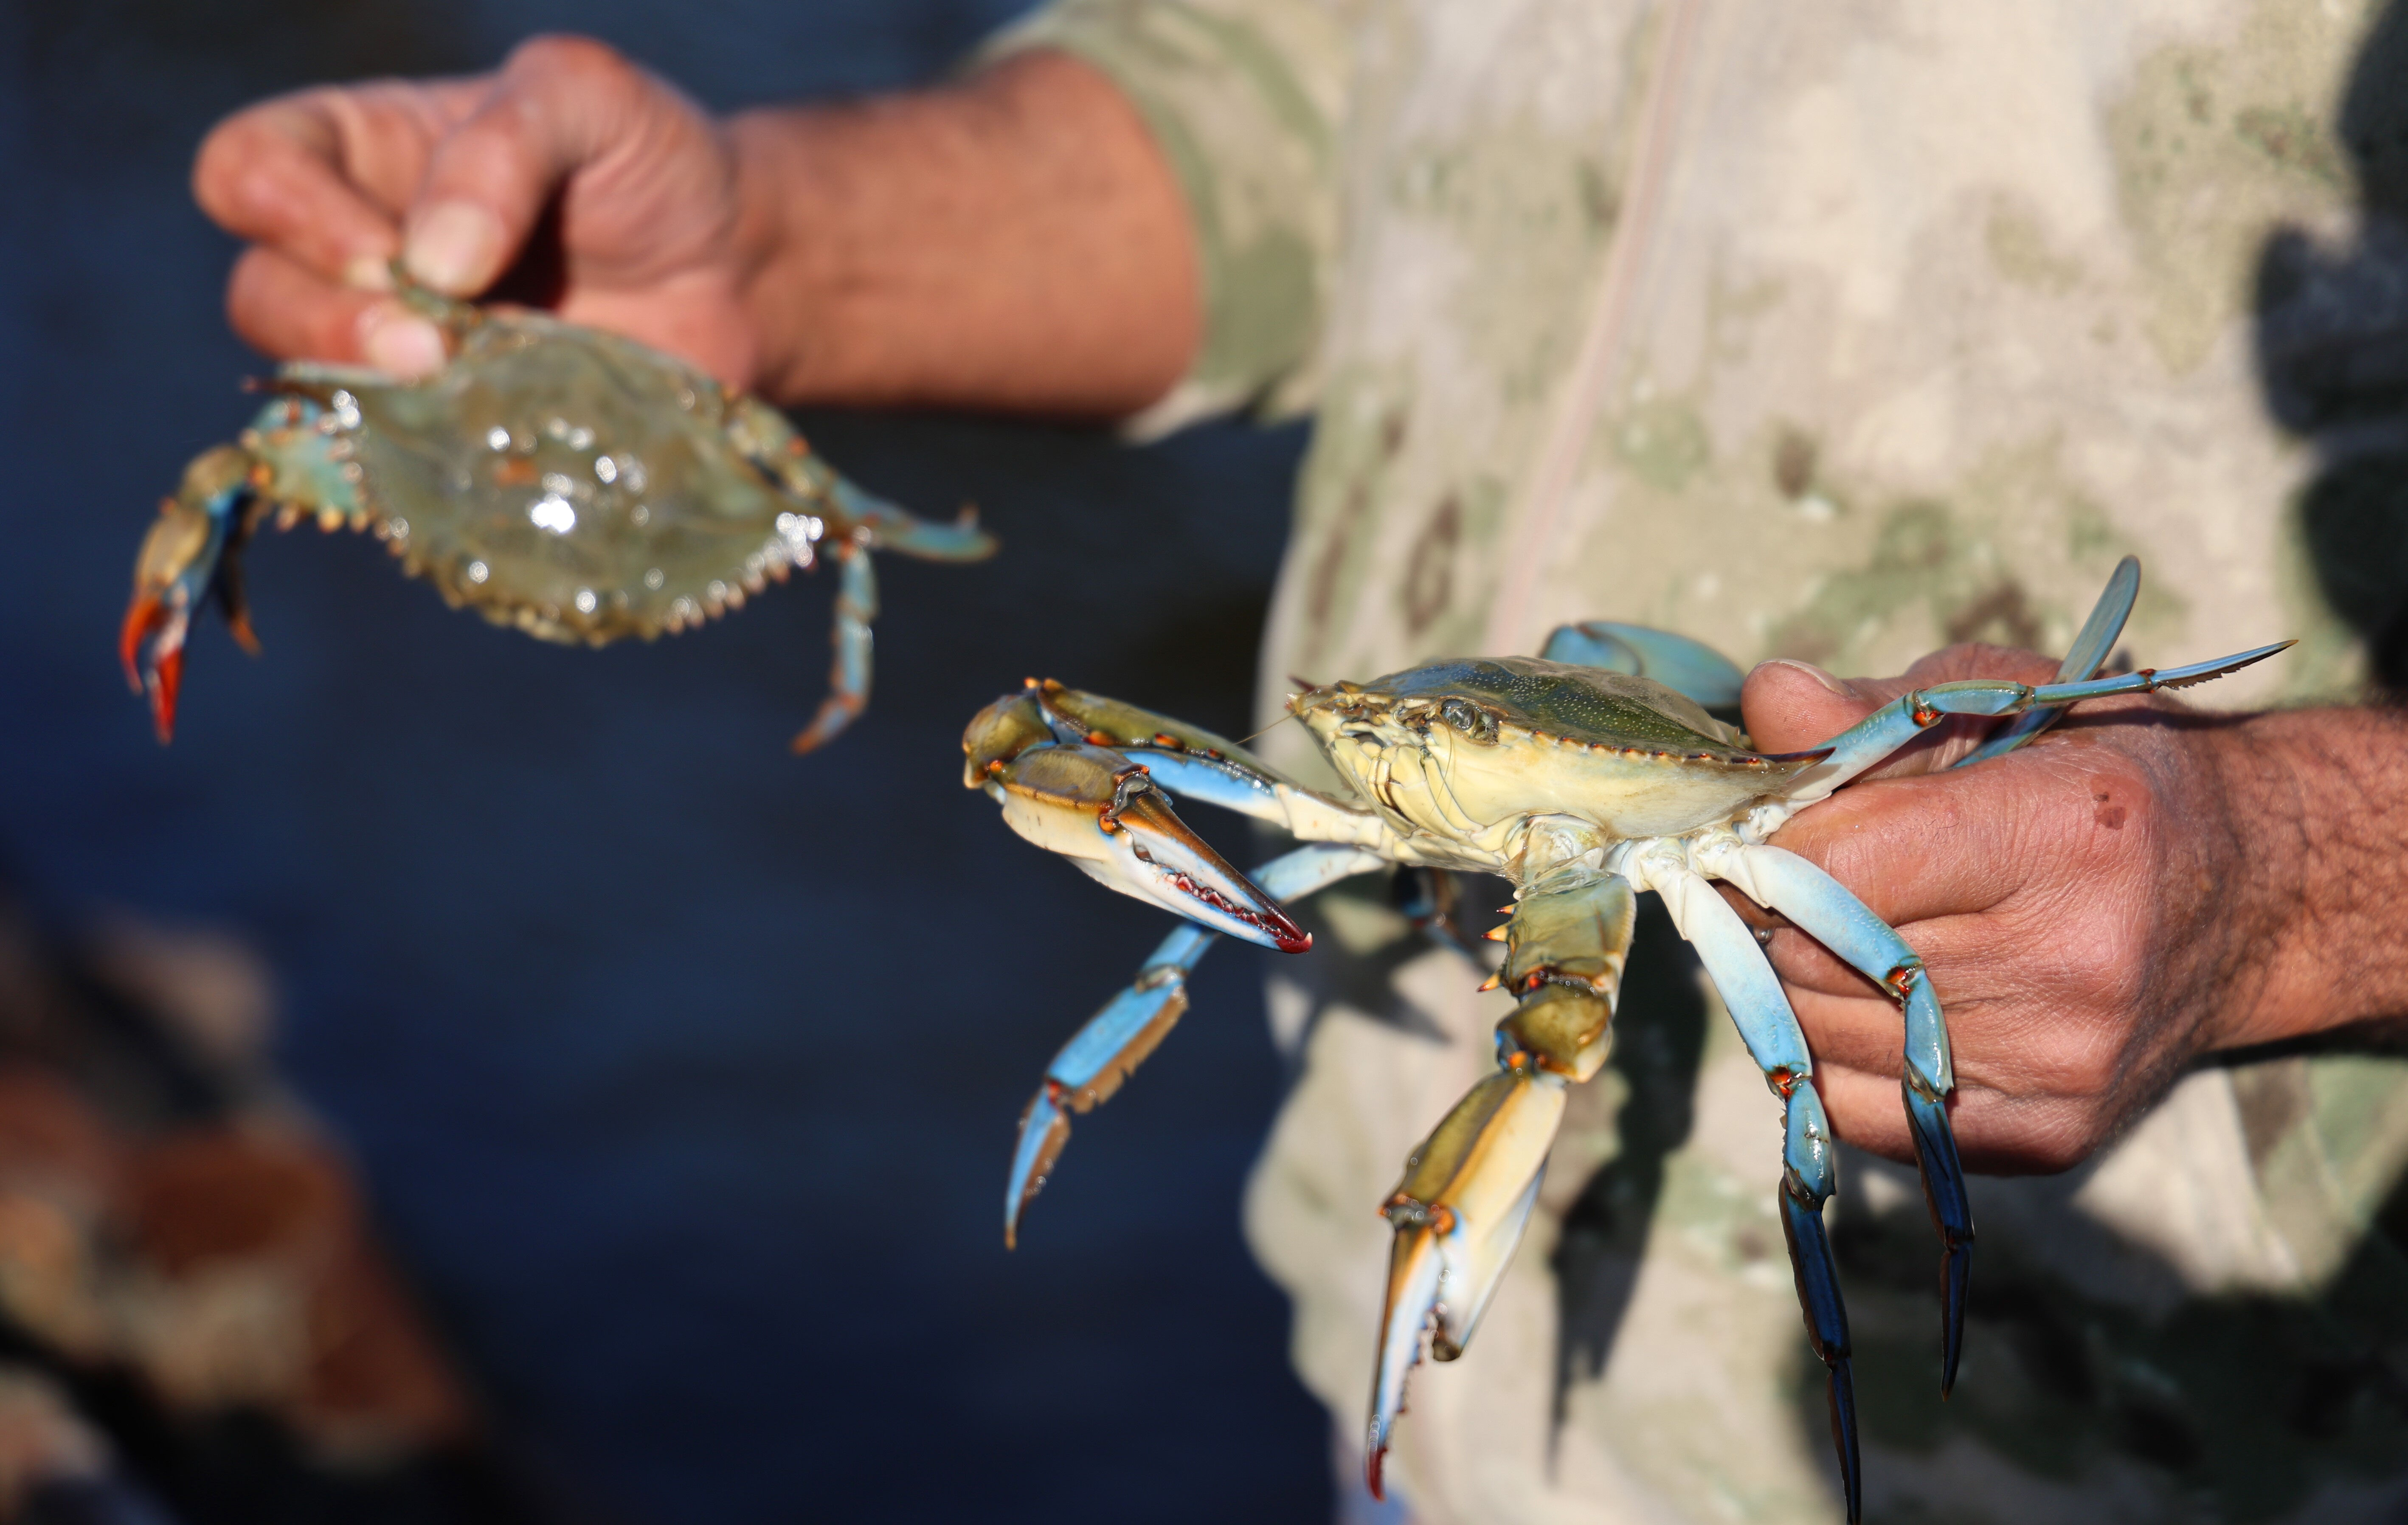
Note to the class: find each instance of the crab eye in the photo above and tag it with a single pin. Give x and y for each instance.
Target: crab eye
(1471, 719)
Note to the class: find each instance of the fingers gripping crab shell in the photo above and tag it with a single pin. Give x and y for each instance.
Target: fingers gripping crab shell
(573, 484)
(1584, 777)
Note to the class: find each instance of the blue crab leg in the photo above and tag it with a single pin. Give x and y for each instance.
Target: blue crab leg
(856, 605)
(1807, 1180)
(1892, 726)
(1761, 1011)
(2091, 648)
(1095, 1062)
(1824, 908)
(1460, 1211)
(892, 528)
(769, 440)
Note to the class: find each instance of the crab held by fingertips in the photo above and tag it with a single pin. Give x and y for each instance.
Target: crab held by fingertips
(575, 485)
(1582, 778)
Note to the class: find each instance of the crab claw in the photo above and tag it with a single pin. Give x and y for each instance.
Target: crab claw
(1101, 809)
(184, 558)
(151, 646)
(1458, 1215)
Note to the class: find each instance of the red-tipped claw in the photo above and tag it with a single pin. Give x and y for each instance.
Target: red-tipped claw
(1101, 810)
(1458, 1213)
(151, 645)
(184, 561)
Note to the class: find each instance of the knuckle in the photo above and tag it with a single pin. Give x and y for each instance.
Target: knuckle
(585, 60)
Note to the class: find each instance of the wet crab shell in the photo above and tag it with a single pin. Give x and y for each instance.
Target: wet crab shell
(631, 499)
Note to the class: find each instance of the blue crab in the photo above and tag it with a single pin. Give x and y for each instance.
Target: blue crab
(1583, 777)
(573, 484)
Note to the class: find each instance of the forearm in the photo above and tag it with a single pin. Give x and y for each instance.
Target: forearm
(2317, 865)
(1014, 242)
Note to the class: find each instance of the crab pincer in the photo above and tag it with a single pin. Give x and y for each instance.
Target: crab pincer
(1039, 754)
(1467, 1192)
(1458, 1213)
(1100, 809)
(182, 562)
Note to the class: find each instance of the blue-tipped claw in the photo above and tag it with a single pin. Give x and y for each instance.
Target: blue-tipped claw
(1952, 1214)
(2089, 652)
(1043, 1131)
(1842, 1394)
(1826, 1326)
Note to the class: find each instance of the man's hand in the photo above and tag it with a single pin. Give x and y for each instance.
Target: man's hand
(1012, 240)
(331, 184)
(2142, 885)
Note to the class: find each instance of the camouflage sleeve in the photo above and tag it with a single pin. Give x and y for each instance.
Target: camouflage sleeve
(1245, 97)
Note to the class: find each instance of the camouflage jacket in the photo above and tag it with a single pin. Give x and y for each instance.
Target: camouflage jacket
(1838, 332)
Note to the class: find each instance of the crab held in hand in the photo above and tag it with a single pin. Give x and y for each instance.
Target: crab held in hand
(1584, 777)
(571, 483)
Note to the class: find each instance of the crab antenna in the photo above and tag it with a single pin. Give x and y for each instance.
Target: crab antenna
(1267, 729)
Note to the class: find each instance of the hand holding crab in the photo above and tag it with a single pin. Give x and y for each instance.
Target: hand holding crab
(906, 252)
(1581, 786)
(2091, 902)
(331, 185)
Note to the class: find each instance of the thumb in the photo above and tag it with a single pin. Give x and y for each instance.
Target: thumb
(557, 105)
(1790, 706)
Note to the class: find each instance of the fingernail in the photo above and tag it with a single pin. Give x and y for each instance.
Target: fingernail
(454, 247)
(1829, 683)
(399, 342)
(368, 272)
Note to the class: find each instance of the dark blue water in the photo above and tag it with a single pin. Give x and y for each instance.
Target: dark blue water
(684, 1073)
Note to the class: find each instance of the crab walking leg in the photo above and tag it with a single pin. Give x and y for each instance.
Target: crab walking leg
(856, 605)
(1761, 1011)
(2088, 653)
(1807, 1181)
(1894, 724)
(1824, 908)
(1467, 1191)
(893, 529)
(771, 440)
(1098, 1061)
(1688, 666)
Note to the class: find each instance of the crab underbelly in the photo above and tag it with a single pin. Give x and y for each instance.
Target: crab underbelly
(1476, 789)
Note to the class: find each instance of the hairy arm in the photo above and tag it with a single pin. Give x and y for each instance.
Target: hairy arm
(2319, 805)
(1015, 240)
(2145, 885)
